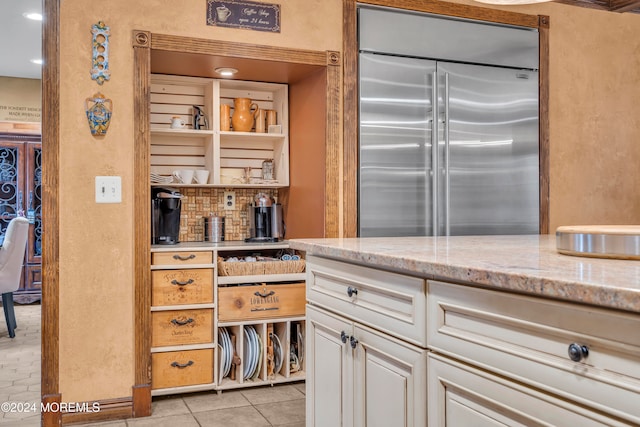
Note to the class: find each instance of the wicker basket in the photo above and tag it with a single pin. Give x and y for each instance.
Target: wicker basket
(241, 268)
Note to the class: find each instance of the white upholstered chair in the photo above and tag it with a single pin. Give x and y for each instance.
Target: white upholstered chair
(11, 258)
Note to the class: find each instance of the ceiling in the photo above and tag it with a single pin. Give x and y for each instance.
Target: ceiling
(22, 39)
(25, 36)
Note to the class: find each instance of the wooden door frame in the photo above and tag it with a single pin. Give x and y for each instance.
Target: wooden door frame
(350, 55)
(143, 43)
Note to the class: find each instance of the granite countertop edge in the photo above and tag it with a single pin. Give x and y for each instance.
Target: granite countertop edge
(522, 264)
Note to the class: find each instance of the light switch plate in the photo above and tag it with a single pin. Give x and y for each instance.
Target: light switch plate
(229, 200)
(108, 189)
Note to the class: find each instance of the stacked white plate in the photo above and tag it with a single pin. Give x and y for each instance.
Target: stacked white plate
(252, 353)
(226, 352)
(160, 179)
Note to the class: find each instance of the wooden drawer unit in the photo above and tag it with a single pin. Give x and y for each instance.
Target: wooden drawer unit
(182, 258)
(264, 301)
(181, 368)
(178, 327)
(175, 287)
(390, 302)
(530, 340)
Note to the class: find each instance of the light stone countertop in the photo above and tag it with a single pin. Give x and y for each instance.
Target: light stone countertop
(528, 264)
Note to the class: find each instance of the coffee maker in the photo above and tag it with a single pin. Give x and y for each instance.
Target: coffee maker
(165, 216)
(266, 223)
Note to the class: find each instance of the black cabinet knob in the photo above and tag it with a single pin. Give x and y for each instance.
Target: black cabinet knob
(351, 291)
(353, 341)
(344, 337)
(578, 352)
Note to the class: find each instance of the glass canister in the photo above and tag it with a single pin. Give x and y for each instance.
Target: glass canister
(267, 169)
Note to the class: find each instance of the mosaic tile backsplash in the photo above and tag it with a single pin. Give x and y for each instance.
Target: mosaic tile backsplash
(200, 202)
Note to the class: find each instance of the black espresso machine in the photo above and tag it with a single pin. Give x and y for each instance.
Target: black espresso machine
(165, 216)
(266, 223)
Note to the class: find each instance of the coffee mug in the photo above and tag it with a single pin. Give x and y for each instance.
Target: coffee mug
(184, 176)
(201, 176)
(223, 13)
(177, 123)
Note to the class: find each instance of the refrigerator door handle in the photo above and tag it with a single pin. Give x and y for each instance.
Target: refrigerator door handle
(447, 186)
(434, 152)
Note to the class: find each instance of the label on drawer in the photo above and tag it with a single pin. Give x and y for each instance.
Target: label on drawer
(177, 327)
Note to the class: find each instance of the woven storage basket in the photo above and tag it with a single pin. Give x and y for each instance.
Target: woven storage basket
(240, 268)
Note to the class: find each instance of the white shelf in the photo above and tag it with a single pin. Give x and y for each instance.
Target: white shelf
(236, 136)
(184, 133)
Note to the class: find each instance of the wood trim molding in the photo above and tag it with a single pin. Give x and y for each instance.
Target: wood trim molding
(543, 138)
(236, 50)
(350, 125)
(143, 43)
(332, 149)
(49, 388)
(350, 128)
(99, 410)
(142, 234)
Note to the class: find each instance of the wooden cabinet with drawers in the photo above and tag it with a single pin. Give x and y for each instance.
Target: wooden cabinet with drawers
(202, 318)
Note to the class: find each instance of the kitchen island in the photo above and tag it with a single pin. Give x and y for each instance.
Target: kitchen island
(495, 329)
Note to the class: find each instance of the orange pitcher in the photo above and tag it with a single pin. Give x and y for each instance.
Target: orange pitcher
(243, 119)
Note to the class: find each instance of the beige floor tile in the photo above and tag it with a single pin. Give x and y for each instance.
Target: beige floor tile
(268, 394)
(171, 421)
(165, 406)
(211, 401)
(27, 422)
(300, 424)
(121, 423)
(300, 387)
(246, 416)
(279, 413)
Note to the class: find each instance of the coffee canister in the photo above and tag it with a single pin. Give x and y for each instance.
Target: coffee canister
(213, 228)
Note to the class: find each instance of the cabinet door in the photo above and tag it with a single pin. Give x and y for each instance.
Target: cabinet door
(460, 395)
(329, 382)
(390, 381)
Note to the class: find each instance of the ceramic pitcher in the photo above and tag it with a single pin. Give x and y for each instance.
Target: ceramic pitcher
(243, 119)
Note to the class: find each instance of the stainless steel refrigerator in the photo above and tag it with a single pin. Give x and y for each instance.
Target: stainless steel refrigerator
(447, 146)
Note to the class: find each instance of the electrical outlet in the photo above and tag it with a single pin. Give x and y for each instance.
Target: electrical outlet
(229, 200)
(108, 189)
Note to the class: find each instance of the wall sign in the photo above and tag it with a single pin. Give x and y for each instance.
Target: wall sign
(244, 14)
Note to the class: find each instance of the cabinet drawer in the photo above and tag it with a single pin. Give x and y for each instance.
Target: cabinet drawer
(183, 257)
(175, 287)
(390, 302)
(177, 327)
(180, 368)
(260, 302)
(528, 339)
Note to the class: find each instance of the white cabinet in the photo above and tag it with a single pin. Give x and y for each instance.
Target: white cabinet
(232, 158)
(357, 375)
(489, 358)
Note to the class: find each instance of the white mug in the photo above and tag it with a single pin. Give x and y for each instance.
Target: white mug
(202, 176)
(177, 123)
(184, 176)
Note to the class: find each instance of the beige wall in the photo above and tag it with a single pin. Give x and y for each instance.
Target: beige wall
(20, 100)
(594, 74)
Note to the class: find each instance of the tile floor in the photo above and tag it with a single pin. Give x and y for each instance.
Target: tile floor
(281, 405)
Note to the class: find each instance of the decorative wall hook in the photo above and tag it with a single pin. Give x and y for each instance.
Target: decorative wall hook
(99, 110)
(100, 46)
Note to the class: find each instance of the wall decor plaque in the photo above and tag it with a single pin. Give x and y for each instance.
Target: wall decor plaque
(244, 14)
(98, 110)
(100, 52)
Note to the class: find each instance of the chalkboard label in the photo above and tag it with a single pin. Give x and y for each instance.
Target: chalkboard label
(244, 14)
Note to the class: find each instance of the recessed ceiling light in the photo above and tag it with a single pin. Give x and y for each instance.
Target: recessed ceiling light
(37, 61)
(33, 15)
(226, 72)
